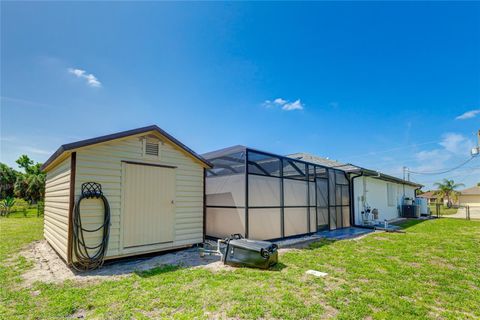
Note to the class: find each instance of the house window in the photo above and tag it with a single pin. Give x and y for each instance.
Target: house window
(390, 194)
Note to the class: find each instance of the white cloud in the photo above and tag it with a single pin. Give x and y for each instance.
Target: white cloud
(280, 101)
(284, 104)
(431, 160)
(92, 81)
(456, 143)
(468, 115)
(296, 105)
(454, 148)
(426, 164)
(7, 139)
(35, 150)
(428, 155)
(333, 104)
(77, 72)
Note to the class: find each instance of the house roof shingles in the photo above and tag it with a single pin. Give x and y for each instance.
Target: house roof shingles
(350, 168)
(471, 191)
(428, 195)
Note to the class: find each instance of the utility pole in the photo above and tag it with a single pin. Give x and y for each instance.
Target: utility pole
(406, 174)
(478, 140)
(476, 150)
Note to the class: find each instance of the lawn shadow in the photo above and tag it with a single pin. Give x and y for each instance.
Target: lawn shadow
(320, 243)
(409, 223)
(278, 267)
(311, 244)
(158, 270)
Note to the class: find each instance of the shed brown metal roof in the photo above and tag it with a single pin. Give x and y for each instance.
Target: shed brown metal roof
(83, 143)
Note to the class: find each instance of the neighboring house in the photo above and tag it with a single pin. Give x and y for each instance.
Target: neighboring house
(371, 189)
(470, 197)
(431, 197)
(434, 198)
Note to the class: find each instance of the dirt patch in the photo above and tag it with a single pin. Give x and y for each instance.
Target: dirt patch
(79, 314)
(330, 312)
(443, 263)
(380, 238)
(49, 267)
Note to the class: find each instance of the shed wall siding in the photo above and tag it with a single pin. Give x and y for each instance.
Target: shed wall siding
(103, 164)
(57, 195)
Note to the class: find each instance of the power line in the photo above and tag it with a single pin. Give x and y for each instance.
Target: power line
(460, 175)
(445, 171)
(399, 172)
(371, 153)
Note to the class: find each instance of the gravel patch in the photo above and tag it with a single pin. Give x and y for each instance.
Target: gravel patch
(49, 267)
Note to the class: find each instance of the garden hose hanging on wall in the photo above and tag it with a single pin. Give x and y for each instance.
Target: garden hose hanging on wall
(89, 257)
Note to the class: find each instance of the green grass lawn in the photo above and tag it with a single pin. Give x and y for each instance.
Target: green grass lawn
(431, 271)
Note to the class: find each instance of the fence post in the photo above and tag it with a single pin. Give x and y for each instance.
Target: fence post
(468, 212)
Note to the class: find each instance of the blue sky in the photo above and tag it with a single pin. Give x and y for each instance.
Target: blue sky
(380, 85)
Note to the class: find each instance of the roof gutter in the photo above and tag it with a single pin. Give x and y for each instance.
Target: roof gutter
(379, 175)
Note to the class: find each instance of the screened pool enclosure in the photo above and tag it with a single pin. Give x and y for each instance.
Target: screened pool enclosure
(266, 196)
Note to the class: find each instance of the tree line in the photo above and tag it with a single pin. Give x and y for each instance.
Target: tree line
(27, 184)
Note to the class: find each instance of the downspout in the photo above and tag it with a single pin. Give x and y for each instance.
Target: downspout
(378, 175)
(352, 199)
(416, 189)
(204, 203)
(415, 195)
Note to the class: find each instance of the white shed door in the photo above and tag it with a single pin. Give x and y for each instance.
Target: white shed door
(149, 195)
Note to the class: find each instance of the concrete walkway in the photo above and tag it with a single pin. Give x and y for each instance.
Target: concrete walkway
(339, 234)
(345, 233)
(461, 214)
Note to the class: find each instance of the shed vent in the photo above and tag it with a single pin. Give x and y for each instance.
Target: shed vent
(152, 148)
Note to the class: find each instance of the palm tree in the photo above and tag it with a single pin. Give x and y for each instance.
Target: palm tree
(7, 204)
(446, 189)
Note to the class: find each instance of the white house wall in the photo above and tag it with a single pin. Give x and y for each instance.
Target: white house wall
(373, 192)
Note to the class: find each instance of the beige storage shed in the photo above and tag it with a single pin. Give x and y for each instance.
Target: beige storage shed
(153, 183)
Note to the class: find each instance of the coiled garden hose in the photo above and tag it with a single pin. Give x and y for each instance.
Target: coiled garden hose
(89, 257)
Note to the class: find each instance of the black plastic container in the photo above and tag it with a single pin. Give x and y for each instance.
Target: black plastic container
(250, 253)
